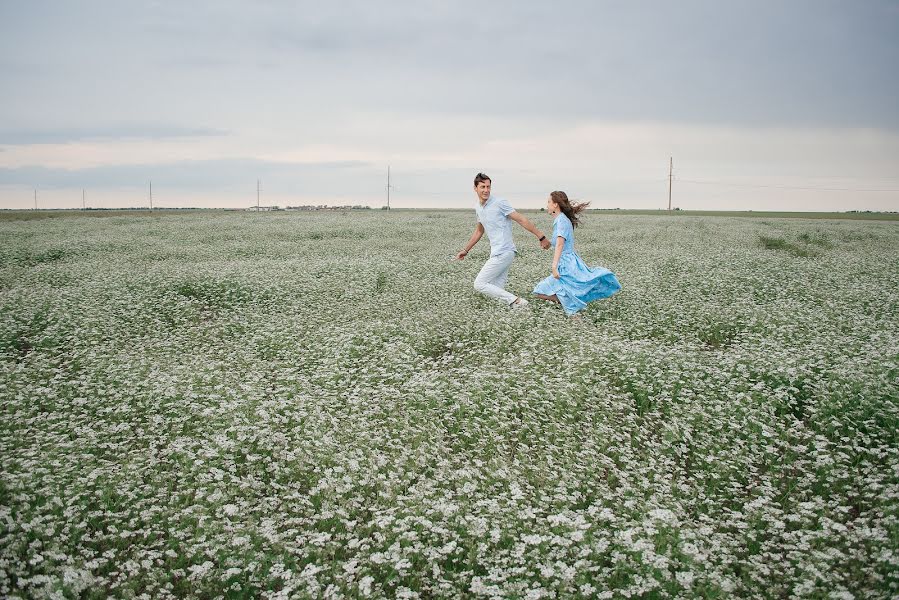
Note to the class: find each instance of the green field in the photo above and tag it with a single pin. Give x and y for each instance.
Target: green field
(209, 404)
(27, 215)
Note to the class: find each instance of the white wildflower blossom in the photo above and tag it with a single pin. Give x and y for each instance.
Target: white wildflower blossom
(318, 405)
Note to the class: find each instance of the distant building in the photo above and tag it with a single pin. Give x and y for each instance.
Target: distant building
(326, 207)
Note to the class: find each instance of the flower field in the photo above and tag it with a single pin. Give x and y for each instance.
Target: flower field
(306, 405)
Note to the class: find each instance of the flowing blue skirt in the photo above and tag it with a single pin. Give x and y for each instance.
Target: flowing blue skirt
(578, 284)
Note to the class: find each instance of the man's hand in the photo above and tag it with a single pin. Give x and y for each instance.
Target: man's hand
(478, 232)
(545, 244)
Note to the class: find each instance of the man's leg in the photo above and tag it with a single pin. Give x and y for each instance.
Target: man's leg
(503, 277)
(501, 283)
(494, 271)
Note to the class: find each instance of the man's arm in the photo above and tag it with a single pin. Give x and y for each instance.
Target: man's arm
(524, 222)
(478, 232)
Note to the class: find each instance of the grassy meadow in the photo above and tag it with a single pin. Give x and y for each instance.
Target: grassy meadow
(319, 405)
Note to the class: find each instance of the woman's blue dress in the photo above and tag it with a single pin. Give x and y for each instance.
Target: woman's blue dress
(578, 284)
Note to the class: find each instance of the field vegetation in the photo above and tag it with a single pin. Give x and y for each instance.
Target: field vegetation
(310, 405)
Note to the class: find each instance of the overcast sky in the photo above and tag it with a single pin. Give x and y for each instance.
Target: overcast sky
(762, 104)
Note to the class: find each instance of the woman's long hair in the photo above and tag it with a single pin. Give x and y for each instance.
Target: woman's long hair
(571, 210)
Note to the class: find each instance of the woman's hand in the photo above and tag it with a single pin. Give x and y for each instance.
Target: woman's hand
(555, 271)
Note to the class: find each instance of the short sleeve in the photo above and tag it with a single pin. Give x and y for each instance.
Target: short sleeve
(563, 229)
(505, 208)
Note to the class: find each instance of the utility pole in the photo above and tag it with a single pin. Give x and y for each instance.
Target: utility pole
(151, 195)
(670, 177)
(83, 205)
(388, 187)
(35, 199)
(258, 188)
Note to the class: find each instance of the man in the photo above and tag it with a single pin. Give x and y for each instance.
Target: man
(495, 216)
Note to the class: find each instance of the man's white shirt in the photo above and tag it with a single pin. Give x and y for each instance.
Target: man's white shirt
(494, 216)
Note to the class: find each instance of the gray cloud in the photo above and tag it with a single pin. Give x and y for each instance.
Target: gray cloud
(806, 63)
(193, 175)
(752, 63)
(122, 132)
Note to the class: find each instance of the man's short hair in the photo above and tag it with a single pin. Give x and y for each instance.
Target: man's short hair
(481, 177)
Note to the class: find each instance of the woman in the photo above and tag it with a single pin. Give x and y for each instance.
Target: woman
(572, 284)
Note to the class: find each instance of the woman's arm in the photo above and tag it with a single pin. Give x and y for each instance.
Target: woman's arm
(560, 244)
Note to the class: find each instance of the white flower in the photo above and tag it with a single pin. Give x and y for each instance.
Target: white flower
(685, 578)
(365, 585)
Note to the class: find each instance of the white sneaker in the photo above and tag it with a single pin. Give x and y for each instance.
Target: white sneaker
(519, 303)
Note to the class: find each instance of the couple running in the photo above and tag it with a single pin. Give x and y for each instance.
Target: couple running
(572, 284)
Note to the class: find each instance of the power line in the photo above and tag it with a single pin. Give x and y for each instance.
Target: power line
(670, 179)
(388, 187)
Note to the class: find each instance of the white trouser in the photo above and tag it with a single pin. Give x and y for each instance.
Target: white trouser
(492, 278)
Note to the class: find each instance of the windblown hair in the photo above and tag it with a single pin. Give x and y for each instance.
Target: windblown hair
(571, 210)
(479, 178)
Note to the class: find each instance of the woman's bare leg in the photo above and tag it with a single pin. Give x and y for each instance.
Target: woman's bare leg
(552, 298)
